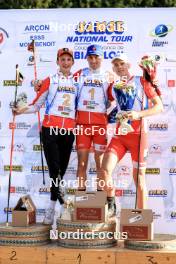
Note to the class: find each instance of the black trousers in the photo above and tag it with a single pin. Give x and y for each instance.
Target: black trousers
(57, 149)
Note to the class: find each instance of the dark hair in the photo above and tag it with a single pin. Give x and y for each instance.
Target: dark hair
(148, 79)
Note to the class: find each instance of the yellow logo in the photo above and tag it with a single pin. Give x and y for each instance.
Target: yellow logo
(100, 27)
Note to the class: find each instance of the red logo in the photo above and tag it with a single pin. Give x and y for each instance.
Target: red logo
(118, 193)
(12, 125)
(60, 108)
(12, 189)
(1, 38)
(171, 83)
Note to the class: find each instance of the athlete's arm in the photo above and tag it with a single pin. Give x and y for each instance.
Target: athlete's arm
(37, 102)
(155, 109)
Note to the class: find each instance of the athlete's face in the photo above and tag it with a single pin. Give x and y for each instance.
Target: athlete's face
(121, 68)
(94, 61)
(65, 63)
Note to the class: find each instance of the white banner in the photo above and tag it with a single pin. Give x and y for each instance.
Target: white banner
(134, 31)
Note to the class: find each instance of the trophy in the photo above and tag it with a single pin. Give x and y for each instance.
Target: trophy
(125, 126)
(68, 210)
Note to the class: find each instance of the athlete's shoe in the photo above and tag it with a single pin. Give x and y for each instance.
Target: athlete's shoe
(49, 216)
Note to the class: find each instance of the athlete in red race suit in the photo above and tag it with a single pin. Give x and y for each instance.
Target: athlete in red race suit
(132, 94)
(59, 93)
(93, 99)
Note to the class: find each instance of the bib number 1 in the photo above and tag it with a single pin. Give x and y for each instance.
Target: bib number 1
(92, 93)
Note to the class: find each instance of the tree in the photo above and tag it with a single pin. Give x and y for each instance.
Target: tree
(21, 4)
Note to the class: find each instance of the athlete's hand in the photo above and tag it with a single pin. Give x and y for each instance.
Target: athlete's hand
(132, 115)
(18, 111)
(37, 85)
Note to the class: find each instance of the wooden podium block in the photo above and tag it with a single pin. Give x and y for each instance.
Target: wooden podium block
(141, 257)
(80, 256)
(22, 255)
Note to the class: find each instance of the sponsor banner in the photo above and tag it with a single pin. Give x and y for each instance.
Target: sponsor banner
(152, 171)
(158, 193)
(117, 32)
(4, 37)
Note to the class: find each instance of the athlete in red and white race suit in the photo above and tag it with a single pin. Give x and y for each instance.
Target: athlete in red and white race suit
(93, 97)
(132, 101)
(59, 93)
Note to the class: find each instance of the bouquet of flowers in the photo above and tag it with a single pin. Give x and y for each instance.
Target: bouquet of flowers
(21, 101)
(148, 65)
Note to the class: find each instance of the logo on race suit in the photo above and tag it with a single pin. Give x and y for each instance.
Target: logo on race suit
(158, 193)
(3, 38)
(159, 33)
(155, 149)
(158, 126)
